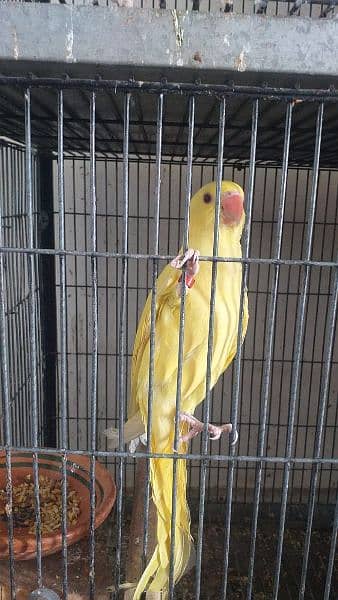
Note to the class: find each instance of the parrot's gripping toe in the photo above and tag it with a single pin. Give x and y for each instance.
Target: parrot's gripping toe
(191, 259)
(217, 430)
(235, 438)
(197, 427)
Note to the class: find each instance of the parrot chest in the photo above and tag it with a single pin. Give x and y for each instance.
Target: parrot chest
(196, 331)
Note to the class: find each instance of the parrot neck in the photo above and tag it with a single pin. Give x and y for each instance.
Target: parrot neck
(228, 242)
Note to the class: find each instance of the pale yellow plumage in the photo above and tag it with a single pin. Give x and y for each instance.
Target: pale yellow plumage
(227, 307)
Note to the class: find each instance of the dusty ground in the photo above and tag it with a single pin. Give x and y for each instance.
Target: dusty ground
(212, 564)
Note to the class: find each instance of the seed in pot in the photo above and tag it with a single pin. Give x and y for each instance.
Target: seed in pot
(50, 504)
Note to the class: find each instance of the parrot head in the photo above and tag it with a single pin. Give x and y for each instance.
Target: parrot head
(202, 207)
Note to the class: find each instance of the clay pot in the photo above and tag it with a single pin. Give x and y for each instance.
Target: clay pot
(78, 478)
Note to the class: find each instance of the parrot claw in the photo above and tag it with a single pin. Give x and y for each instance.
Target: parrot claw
(197, 427)
(235, 440)
(191, 258)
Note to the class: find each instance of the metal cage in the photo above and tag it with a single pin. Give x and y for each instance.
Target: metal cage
(96, 180)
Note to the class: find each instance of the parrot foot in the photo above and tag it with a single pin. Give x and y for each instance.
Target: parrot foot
(197, 427)
(191, 259)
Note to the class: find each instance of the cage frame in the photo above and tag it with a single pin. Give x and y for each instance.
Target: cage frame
(220, 92)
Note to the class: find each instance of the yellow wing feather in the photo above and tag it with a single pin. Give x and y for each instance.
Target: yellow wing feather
(166, 283)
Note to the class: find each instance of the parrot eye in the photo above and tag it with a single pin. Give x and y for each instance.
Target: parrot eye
(207, 198)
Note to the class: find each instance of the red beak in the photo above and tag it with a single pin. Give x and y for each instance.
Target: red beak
(232, 208)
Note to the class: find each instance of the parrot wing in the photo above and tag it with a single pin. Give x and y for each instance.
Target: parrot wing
(134, 427)
(166, 283)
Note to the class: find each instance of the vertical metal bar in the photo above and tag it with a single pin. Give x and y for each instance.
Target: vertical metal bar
(137, 274)
(122, 332)
(237, 366)
(206, 405)
(320, 429)
(268, 351)
(7, 424)
(335, 418)
(298, 183)
(76, 279)
(153, 319)
(180, 218)
(332, 554)
(117, 164)
(312, 359)
(181, 339)
(93, 394)
(299, 335)
(318, 314)
(26, 424)
(87, 350)
(10, 287)
(107, 297)
(209, 466)
(63, 337)
(32, 328)
(10, 284)
(17, 265)
(47, 286)
(258, 331)
(38, 327)
(259, 277)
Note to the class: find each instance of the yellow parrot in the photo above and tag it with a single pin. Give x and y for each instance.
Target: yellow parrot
(193, 390)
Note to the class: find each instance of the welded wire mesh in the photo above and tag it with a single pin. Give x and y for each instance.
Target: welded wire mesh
(14, 216)
(139, 283)
(115, 220)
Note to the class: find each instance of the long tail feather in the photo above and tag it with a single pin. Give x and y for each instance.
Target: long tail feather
(156, 575)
